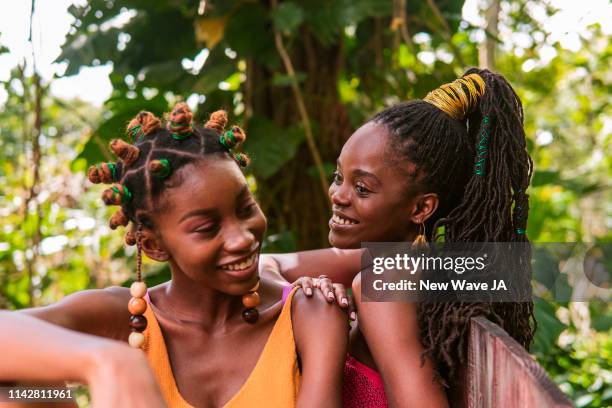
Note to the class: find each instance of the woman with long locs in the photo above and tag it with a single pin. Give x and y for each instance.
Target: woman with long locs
(455, 162)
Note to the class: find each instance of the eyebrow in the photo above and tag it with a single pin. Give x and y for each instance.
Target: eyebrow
(198, 212)
(363, 173)
(207, 211)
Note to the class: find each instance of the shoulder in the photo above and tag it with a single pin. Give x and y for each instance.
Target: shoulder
(312, 315)
(321, 338)
(315, 306)
(385, 321)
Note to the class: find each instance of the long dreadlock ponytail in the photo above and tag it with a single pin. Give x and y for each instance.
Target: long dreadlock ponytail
(467, 142)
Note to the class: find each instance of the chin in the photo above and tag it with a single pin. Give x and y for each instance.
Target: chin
(342, 242)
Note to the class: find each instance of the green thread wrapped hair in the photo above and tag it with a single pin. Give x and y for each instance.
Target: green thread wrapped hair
(242, 159)
(153, 156)
(126, 152)
(482, 147)
(135, 133)
(231, 139)
(142, 125)
(180, 121)
(160, 168)
(103, 173)
(116, 195)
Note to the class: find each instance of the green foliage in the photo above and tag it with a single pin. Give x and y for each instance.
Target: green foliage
(288, 17)
(271, 147)
(346, 53)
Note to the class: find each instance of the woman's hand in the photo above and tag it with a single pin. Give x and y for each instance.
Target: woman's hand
(120, 376)
(331, 291)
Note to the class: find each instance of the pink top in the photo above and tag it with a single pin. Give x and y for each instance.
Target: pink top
(363, 387)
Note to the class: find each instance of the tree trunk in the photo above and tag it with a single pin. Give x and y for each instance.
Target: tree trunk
(292, 199)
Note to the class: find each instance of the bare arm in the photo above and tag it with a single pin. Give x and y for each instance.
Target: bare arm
(340, 265)
(101, 312)
(391, 332)
(321, 333)
(34, 350)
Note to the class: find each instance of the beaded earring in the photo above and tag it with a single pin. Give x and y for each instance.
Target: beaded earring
(137, 305)
(251, 300)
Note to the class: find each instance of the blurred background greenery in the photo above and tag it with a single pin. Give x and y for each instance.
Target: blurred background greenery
(300, 77)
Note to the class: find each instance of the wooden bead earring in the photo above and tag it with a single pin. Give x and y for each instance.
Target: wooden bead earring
(137, 304)
(251, 300)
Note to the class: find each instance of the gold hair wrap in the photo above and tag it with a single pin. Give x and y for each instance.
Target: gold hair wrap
(453, 99)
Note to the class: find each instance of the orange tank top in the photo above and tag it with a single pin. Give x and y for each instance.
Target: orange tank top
(274, 382)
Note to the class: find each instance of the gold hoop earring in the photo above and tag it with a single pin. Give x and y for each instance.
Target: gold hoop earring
(421, 239)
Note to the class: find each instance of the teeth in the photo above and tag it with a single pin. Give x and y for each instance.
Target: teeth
(240, 265)
(342, 221)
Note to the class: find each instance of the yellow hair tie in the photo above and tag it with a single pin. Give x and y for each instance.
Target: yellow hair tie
(452, 98)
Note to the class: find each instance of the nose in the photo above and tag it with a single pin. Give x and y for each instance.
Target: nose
(339, 195)
(238, 238)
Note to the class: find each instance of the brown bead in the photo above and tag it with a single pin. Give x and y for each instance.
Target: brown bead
(138, 323)
(250, 315)
(251, 300)
(137, 306)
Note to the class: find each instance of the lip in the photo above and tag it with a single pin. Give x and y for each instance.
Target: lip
(242, 274)
(341, 227)
(334, 226)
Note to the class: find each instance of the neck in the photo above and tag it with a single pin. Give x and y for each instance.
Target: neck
(187, 301)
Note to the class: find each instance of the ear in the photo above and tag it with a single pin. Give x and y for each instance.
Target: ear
(425, 206)
(152, 246)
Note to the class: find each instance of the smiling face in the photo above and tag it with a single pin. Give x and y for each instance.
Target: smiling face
(369, 192)
(211, 228)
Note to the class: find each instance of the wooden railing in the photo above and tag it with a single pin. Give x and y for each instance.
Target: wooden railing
(501, 373)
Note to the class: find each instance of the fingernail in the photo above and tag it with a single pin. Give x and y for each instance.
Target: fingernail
(330, 295)
(308, 291)
(353, 316)
(345, 301)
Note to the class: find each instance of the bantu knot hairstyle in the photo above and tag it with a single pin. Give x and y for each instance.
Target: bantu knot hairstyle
(232, 139)
(118, 218)
(130, 236)
(142, 125)
(217, 121)
(125, 151)
(466, 142)
(160, 168)
(117, 195)
(157, 153)
(104, 173)
(180, 121)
